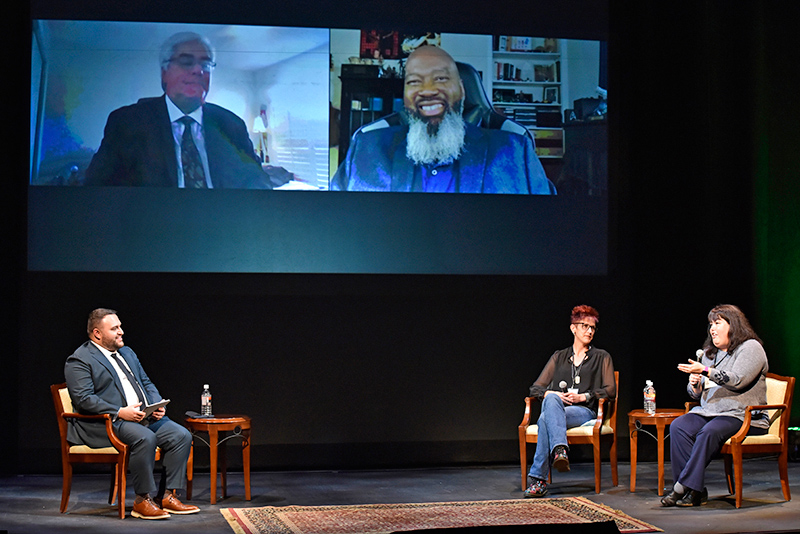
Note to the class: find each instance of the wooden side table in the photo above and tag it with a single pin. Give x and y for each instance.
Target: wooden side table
(638, 418)
(217, 427)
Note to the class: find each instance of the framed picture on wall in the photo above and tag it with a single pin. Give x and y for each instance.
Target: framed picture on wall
(380, 45)
(551, 95)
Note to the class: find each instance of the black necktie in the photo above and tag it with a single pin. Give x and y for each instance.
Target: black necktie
(193, 175)
(131, 379)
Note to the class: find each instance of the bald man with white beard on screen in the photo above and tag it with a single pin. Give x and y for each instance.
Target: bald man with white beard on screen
(434, 149)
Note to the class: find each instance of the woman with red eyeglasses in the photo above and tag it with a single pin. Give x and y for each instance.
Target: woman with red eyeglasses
(569, 387)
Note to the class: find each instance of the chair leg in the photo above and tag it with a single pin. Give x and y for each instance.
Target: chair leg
(728, 460)
(523, 462)
(162, 485)
(66, 486)
(190, 472)
(783, 468)
(737, 474)
(613, 459)
(112, 491)
(597, 471)
(122, 471)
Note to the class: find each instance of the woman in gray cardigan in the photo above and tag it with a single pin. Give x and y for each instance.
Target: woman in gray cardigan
(730, 376)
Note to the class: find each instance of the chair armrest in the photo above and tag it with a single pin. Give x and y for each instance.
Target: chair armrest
(748, 415)
(600, 413)
(526, 417)
(99, 416)
(689, 405)
(115, 441)
(767, 407)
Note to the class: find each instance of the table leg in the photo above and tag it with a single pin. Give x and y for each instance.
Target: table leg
(634, 452)
(246, 463)
(223, 462)
(660, 424)
(190, 471)
(213, 438)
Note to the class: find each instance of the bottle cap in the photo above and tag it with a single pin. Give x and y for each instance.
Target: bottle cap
(205, 386)
(647, 382)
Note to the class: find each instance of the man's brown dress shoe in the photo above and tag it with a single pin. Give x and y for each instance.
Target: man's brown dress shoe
(171, 504)
(145, 508)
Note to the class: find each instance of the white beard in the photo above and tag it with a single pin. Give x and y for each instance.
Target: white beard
(429, 144)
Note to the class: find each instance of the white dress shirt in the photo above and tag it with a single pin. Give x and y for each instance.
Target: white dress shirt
(130, 392)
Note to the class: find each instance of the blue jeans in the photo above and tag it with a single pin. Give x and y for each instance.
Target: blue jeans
(554, 420)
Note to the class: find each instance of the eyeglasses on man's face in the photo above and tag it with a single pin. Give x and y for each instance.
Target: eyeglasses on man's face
(188, 61)
(586, 327)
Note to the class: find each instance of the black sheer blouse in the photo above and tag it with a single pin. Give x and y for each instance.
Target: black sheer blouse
(596, 375)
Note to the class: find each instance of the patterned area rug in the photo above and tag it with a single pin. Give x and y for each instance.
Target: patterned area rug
(387, 518)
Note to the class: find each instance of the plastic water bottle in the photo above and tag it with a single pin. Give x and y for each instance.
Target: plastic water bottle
(649, 397)
(205, 401)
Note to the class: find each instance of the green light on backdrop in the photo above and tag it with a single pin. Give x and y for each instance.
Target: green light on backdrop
(776, 217)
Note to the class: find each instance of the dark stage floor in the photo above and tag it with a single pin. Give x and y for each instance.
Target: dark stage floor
(29, 504)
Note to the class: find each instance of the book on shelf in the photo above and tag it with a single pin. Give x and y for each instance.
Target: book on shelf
(549, 151)
(507, 72)
(518, 43)
(525, 114)
(502, 43)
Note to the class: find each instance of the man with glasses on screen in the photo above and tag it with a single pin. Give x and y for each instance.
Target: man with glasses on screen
(179, 139)
(434, 149)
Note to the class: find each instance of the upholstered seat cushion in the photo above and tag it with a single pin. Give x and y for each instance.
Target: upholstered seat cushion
(766, 439)
(85, 449)
(577, 431)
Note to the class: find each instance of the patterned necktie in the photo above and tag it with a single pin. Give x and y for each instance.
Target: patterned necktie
(131, 379)
(193, 175)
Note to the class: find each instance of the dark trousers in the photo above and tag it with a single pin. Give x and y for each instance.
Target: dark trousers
(175, 442)
(694, 440)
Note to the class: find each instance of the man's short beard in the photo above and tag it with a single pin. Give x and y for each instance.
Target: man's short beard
(429, 143)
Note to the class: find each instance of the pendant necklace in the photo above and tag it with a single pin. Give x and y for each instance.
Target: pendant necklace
(576, 370)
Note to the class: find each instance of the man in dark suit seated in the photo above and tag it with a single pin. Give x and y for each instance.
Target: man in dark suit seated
(104, 376)
(434, 149)
(178, 139)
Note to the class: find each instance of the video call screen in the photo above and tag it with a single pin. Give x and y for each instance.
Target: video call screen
(288, 188)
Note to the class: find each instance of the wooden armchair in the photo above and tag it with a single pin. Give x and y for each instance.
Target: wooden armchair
(604, 429)
(780, 390)
(83, 454)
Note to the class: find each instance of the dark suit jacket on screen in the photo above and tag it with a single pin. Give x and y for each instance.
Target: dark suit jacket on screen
(95, 388)
(138, 149)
